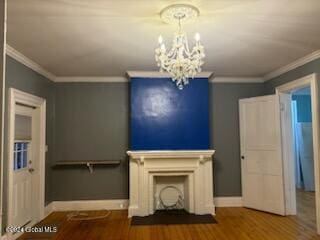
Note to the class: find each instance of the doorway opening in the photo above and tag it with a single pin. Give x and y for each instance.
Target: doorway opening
(26, 166)
(300, 140)
(303, 154)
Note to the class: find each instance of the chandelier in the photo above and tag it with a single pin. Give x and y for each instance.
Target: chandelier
(181, 62)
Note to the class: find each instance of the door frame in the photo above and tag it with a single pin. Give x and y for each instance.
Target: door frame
(3, 22)
(288, 148)
(17, 96)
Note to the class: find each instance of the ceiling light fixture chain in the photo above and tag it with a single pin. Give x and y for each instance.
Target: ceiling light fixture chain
(181, 63)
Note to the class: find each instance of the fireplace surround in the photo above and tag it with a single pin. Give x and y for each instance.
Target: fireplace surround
(190, 171)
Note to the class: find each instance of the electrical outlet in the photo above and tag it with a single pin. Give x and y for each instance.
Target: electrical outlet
(121, 205)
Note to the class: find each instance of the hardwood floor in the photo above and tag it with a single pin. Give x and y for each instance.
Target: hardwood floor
(233, 223)
(306, 208)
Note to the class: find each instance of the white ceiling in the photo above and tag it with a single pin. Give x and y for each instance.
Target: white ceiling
(107, 38)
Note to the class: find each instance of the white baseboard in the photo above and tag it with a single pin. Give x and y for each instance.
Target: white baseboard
(119, 204)
(86, 205)
(228, 201)
(48, 209)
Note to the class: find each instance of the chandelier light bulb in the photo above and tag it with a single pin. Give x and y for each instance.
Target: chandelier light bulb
(163, 47)
(197, 37)
(160, 39)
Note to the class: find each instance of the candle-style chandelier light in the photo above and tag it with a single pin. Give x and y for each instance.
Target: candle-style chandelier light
(181, 62)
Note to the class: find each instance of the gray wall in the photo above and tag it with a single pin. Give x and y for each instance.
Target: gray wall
(20, 77)
(225, 138)
(92, 123)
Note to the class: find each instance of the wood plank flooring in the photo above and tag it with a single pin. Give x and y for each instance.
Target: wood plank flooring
(306, 207)
(233, 223)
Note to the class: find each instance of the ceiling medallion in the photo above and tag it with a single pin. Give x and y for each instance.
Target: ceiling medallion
(179, 61)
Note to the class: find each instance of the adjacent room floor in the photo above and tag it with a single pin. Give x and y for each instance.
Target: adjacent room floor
(306, 208)
(233, 223)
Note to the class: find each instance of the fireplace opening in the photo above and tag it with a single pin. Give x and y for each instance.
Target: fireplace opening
(171, 192)
(170, 197)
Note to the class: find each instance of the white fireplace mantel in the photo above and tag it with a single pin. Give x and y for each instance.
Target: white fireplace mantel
(202, 155)
(195, 165)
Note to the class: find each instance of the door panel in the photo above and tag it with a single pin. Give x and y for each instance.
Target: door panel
(268, 165)
(261, 165)
(22, 177)
(22, 195)
(255, 191)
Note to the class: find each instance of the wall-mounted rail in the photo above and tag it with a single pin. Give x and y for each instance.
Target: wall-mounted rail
(88, 163)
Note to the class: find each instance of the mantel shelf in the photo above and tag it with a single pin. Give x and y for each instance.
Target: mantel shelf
(165, 154)
(88, 163)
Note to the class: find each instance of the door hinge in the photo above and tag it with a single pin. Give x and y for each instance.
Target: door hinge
(282, 106)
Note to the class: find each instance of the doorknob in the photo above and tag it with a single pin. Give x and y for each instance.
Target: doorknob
(31, 170)
(242, 157)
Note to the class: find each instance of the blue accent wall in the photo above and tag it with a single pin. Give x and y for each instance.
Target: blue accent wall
(166, 118)
(303, 107)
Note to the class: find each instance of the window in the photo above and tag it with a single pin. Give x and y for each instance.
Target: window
(20, 155)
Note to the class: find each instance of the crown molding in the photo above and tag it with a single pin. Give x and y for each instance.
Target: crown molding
(115, 79)
(10, 51)
(209, 75)
(90, 79)
(156, 74)
(298, 63)
(236, 80)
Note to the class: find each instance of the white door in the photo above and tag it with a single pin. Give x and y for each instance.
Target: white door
(261, 155)
(22, 168)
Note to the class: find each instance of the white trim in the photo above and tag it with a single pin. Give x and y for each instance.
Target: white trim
(287, 143)
(48, 209)
(115, 79)
(298, 63)
(175, 154)
(228, 201)
(236, 80)
(297, 84)
(312, 81)
(114, 204)
(157, 74)
(90, 79)
(10, 51)
(121, 204)
(39, 69)
(3, 111)
(17, 96)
